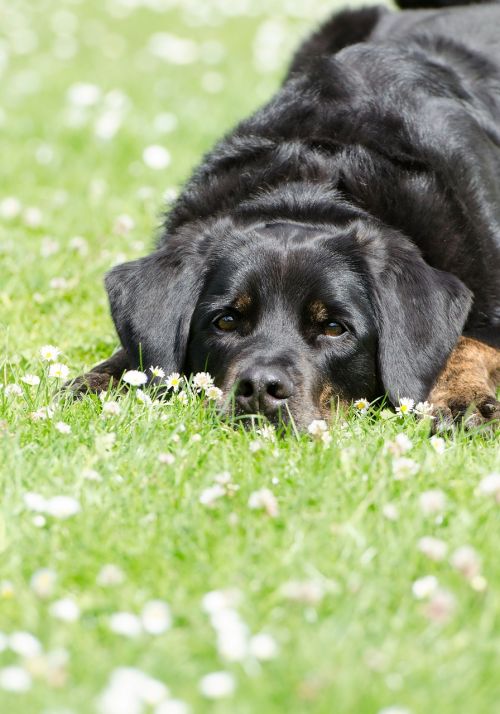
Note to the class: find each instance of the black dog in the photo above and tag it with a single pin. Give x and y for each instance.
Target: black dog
(342, 241)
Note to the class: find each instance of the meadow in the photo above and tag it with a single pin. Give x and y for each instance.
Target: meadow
(155, 559)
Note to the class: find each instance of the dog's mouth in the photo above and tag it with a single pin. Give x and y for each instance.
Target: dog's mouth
(296, 414)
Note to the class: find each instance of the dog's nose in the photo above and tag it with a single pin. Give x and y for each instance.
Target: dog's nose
(263, 390)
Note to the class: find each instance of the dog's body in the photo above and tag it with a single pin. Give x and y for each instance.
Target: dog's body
(341, 241)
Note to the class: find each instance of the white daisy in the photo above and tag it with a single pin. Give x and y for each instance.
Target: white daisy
(25, 644)
(220, 600)
(262, 646)
(432, 502)
(438, 444)
(62, 507)
(42, 414)
(210, 495)
(48, 247)
(401, 445)
(135, 378)
(13, 390)
(232, 636)
(156, 617)
(317, 428)
(49, 353)
(466, 560)
(142, 397)
(34, 502)
(10, 207)
(129, 690)
(440, 606)
(110, 575)
(91, 475)
(65, 609)
(202, 380)
(424, 587)
(166, 458)
(15, 679)
(490, 486)
(32, 217)
(111, 408)
(310, 592)
(43, 582)
(390, 512)
(478, 583)
(57, 370)
(267, 432)
(217, 685)
(424, 409)
(255, 445)
(214, 393)
(123, 224)
(156, 157)
(173, 49)
(433, 548)
(361, 405)
(79, 244)
(59, 283)
(404, 468)
(174, 381)
(32, 380)
(83, 94)
(157, 372)
(264, 500)
(62, 427)
(126, 624)
(405, 406)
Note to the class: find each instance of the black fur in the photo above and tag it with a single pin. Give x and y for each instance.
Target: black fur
(370, 183)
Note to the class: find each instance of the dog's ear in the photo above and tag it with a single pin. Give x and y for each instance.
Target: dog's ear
(421, 314)
(152, 301)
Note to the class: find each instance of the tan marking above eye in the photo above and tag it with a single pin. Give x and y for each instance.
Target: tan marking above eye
(318, 311)
(242, 302)
(228, 323)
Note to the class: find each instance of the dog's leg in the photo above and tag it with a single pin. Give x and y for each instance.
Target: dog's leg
(102, 376)
(467, 386)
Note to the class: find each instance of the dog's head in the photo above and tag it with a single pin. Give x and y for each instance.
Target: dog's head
(289, 317)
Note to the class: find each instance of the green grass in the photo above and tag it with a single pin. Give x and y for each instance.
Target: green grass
(362, 641)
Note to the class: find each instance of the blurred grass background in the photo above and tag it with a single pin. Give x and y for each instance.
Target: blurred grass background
(85, 88)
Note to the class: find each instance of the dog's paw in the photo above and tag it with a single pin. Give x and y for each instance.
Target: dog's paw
(453, 412)
(89, 383)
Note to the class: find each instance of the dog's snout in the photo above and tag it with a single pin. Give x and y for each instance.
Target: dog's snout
(263, 390)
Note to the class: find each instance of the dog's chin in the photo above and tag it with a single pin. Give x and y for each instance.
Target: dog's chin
(292, 416)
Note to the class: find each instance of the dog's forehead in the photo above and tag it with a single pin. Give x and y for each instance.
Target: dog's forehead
(277, 246)
(291, 260)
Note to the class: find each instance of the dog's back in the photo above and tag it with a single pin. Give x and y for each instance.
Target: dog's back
(475, 27)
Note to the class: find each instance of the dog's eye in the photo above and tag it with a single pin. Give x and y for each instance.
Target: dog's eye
(227, 323)
(334, 329)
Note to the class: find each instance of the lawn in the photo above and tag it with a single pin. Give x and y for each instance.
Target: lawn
(153, 558)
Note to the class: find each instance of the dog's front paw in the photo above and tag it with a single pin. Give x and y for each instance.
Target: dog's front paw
(453, 410)
(90, 383)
